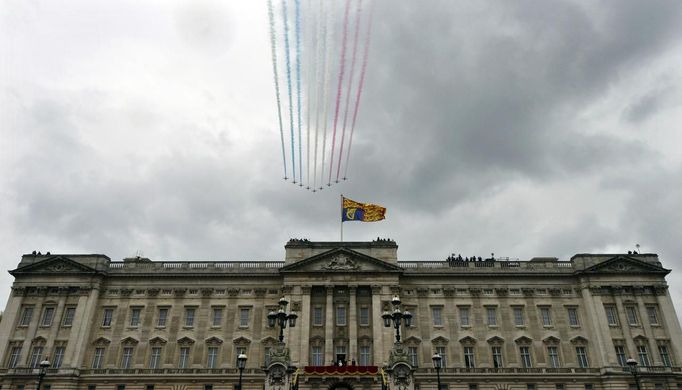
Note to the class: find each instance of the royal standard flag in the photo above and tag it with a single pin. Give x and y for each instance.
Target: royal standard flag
(363, 212)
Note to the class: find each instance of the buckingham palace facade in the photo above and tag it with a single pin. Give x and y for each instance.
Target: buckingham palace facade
(496, 324)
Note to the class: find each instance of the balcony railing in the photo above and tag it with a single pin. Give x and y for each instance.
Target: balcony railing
(501, 266)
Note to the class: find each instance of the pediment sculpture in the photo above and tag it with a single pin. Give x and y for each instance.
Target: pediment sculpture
(341, 262)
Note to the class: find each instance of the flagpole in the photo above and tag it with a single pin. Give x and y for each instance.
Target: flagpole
(341, 215)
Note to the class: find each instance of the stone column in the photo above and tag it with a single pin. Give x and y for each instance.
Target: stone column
(86, 313)
(667, 316)
(293, 338)
(353, 324)
(9, 320)
(329, 327)
(646, 329)
(625, 324)
(377, 331)
(596, 324)
(304, 330)
(56, 324)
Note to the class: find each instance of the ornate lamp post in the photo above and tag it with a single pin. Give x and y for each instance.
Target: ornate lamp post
(281, 317)
(43, 371)
(396, 317)
(632, 363)
(241, 363)
(437, 364)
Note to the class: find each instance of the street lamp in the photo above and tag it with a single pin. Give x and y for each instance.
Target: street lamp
(43, 371)
(396, 317)
(632, 363)
(281, 317)
(437, 364)
(241, 363)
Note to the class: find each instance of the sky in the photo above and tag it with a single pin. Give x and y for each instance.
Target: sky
(524, 128)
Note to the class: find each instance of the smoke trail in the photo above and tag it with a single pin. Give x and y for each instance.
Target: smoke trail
(325, 98)
(360, 86)
(342, 66)
(291, 99)
(309, 93)
(298, 87)
(273, 47)
(358, 15)
(320, 33)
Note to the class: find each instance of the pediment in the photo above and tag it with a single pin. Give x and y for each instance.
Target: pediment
(496, 340)
(551, 340)
(186, 340)
(157, 340)
(624, 264)
(213, 340)
(579, 340)
(341, 260)
(523, 340)
(241, 340)
(101, 341)
(129, 341)
(54, 265)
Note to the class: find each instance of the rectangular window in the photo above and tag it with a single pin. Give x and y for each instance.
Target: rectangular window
(581, 354)
(155, 357)
(546, 315)
(526, 361)
(530, 386)
(48, 313)
(238, 351)
(217, 316)
(559, 386)
(189, 316)
(149, 387)
(212, 359)
(92, 387)
(184, 357)
(464, 316)
(26, 316)
(631, 313)
(437, 315)
(36, 355)
(268, 356)
(364, 316)
(553, 354)
(518, 316)
(341, 315)
(491, 313)
(317, 356)
(127, 357)
(163, 316)
(98, 358)
(69, 314)
(573, 316)
(611, 315)
(58, 357)
(364, 356)
(135, 316)
(244, 317)
(444, 355)
(665, 355)
(208, 387)
(413, 356)
(620, 355)
(652, 313)
(107, 317)
(14, 357)
(318, 316)
(120, 387)
(469, 357)
(497, 357)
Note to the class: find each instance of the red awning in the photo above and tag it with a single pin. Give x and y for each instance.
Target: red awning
(341, 370)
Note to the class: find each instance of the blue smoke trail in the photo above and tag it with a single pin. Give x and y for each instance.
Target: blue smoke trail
(291, 99)
(298, 86)
(273, 47)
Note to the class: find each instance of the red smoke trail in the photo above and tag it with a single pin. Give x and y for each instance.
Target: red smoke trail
(342, 66)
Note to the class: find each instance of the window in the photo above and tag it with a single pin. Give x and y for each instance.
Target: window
(155, 357)
(317, 356)
(643, 355)
(620, 355)
(631, 313)
(98, 358)
(530, 386)
(464, 316)
(184, 357)
(559, 386)
(268, 356)
(238, 351)
(652, 313)
(442, 351)
(473, 386)
(48, 313)
(341, 315)
(244, 317)
(217, 316)
(127, 357)
(469, 357)
(317, 316)
(364, 316)
(92, 387)
(212, 360)
(14, 357)
(120, 387)
(26, 316)
(518, 316)
(437, 315)
(665, 355)
(526, 361)
(413, 355)
(588, 386)
(208, 387)
(189, 316)
(573, 316)
(107, 317)
(611, 315)
(364, 355)
(58, 356)
(36, 354)
(546, 316)
(163, 316)
(581, 355)
(491, 314)
(149, 387)
(135, 316)
(553, 353)
(497, 357)
(69, 314)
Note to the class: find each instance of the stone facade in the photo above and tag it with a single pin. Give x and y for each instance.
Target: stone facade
(541, 324)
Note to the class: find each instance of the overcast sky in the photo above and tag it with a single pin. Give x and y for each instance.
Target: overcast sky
(524, 128)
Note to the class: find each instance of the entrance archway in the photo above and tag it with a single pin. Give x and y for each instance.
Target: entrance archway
(341, 386)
